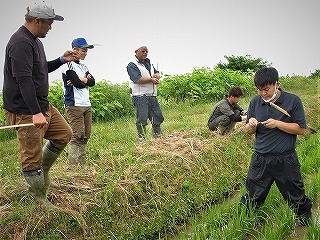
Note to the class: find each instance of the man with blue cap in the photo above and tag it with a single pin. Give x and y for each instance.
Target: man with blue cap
(76, 80)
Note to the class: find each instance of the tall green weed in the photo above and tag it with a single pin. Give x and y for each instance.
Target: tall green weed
(204, 84)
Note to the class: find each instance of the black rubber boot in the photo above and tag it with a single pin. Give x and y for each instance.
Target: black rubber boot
(156, 131)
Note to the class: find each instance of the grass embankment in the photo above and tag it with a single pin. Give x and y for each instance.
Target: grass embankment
(136, 190)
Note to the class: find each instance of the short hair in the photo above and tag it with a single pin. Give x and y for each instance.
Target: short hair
(27, 17)
(265, 76)
(235, 92)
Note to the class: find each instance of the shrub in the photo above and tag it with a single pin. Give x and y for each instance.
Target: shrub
(243, 63)
(2, 119)
(110, 101)
(204, 84)
(315, 74)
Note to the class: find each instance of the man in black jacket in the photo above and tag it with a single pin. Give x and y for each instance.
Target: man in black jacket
(227, 112)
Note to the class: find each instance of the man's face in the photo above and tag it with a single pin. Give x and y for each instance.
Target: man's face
(142, 53)
(268, 91)
(43, 27)
(234, 100)
(82, 53)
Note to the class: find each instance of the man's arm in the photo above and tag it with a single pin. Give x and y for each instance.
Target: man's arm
(75, 80)
(154, 80)
(237, 118)
(28, 94)
(135, 75)
(68, 56)
(291, 128)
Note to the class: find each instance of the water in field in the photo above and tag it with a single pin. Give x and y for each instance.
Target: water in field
(299, 231)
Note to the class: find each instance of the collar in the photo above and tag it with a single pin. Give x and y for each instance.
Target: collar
(227, 100)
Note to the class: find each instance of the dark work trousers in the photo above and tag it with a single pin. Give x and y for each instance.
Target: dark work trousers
(147, 107)
(284, 170)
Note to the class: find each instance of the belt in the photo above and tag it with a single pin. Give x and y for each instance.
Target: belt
(147, 95)
(276, 154)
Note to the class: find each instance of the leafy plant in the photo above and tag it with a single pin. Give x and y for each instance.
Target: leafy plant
(109, 101)
(243, 63)
(315, 74)
(204, 84)
(2, 119)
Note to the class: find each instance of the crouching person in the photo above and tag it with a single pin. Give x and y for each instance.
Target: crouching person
(227, 112)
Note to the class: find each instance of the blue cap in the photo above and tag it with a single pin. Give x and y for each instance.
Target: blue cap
(80, 43)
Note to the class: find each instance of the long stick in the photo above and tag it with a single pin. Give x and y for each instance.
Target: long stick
(17, 125)
(279, 109)
(286, 113)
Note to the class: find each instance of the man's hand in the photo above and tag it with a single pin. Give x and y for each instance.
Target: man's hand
(155, 80)
(84, 79)
(271, 123)
(288, 127)
(39, 121)
(69, 83)
(251, 126)
(70, 55)
(156, 75)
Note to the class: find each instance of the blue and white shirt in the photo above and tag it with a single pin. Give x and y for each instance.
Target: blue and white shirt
(78, 93)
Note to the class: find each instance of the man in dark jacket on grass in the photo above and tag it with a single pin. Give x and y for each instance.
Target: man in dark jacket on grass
(227, 112)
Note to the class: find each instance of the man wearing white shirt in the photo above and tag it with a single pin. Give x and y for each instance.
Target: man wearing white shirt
(143, 86)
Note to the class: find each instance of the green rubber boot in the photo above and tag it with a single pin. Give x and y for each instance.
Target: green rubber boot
(35, 180)
(82, 154)
(77, 154)
(50, 155)
(73, 154)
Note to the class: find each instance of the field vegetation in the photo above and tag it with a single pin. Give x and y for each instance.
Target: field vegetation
(173, 187)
